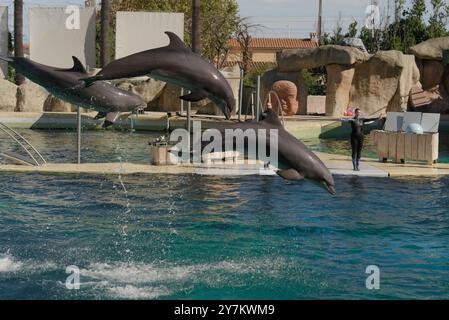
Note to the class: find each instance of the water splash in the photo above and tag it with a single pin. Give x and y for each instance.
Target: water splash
(9, 264)
(125, 216)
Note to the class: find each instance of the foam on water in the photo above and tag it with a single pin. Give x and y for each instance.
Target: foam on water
(151, 281)
(133, 292)
(9, 264)
(136, 273)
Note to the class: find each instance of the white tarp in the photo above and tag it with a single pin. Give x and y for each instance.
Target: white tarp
(430, 122)
(395, 121)
(56, 36)
(140, 31)
(3, 40)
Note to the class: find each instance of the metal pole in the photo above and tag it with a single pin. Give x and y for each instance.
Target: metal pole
(258, 99)
(189, 106)
(78, 129)
(241, 94)
(320, 21)
(105, 26)
(182, 102)
(196, 26)
(18, 36)
(189, 129)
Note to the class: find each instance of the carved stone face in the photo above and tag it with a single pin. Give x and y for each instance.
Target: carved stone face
(288, 95)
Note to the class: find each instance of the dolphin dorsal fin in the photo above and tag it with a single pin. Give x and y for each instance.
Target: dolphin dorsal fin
(272, 118)
(77, 66)
(176, 42)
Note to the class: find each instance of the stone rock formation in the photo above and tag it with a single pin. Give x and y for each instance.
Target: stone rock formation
(292, 60)
(432, 93)
(375, 83)
(8, 92)
(383, 83)
(431, 49)
(339, 81)
(31, 97)
(149, 89)
(288, 97)
(168, 100)
(53, 104)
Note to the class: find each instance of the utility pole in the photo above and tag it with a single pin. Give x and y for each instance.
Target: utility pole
(105, 26)
(196, 26)
(320, 21)
(18, 36)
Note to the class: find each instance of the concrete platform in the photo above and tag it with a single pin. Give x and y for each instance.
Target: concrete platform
(338, 165)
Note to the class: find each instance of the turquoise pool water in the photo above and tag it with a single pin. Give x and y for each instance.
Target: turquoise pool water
(193, 237)
(60, 146)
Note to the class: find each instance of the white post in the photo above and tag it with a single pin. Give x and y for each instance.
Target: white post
(258, 98)
(78, 131)
(241, 94)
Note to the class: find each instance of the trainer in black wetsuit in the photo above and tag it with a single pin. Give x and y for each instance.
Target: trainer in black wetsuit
(357, 137)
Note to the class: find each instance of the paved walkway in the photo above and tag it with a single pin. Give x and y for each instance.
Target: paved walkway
(338, 164)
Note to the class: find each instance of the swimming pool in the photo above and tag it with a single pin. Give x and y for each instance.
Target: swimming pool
(193, 237)
(221, 238)
(59, 146)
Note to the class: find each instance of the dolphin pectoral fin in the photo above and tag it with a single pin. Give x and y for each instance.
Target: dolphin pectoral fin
(101, 115)
(111, 118)
(290, 174)
(195, 96)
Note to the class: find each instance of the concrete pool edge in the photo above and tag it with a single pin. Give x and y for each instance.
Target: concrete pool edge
(302, 127)
(339, 165)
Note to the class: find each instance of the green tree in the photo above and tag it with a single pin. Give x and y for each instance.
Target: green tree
(438, 18)
(352, 30)
(315, 82)
(415, 29)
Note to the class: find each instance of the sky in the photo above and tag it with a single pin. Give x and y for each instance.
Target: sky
(279, 18)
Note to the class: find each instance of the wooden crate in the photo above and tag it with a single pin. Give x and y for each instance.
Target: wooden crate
(161, 156)
(401, 147)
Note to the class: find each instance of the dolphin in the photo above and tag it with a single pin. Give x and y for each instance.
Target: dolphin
(64, 84)
(178, 65)
(295, 160)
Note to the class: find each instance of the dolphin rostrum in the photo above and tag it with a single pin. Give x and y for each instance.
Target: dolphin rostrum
(178, 65)
(64, 84)
(295, 160)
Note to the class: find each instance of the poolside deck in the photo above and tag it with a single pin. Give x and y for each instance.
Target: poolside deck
(339, 166)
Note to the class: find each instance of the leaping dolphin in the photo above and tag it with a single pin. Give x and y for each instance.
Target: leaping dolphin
(178, 65)
(64, 84)
(295, 160)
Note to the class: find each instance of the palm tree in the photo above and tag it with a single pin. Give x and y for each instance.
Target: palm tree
(18, 35)
(196, 26)
(105, 24)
